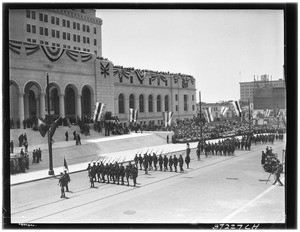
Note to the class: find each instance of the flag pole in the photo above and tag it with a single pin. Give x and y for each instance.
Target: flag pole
(249, 116)
(51, 171)
(200, 116)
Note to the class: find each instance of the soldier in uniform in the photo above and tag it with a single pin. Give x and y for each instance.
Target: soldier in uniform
(62, 183)
(91, 176)
(160, 162)
(102, 171)
(140, 161)
(112, 172)
(67, 180)
(166, 163)
(98, 172)
(146, 163)
(136, 159)
(107, 172)
(134, 173)
(150, 161)
(175, 160)
(127, 174)
(198, 153)
(117, 173)
(155, 161)
(181, 163)
(122, 173)
(187, 160)
(171, 163)
(94, 168)
(67, 135)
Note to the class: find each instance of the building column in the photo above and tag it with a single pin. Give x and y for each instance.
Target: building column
(42, 105)
(62, 105)
(126, 107)
(21, 108)
(79, 106)
(26, 105)
(37, 106)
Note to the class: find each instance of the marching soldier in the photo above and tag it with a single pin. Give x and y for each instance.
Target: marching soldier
(67, 180)
(166, 163)
(67, 135)
(112, 172)
(122, 173)
(62, 183)
(136, 159)
(107, 172)
(171, 163)
(140, 161)
(134, 173)
(94, 168)
(150, 161)
(127, 174)
(102, 171)
(198, 153)
(175, 160)
(160, 162)
(155, 161)
(187, 160)
(98, 172)
(117, 173)
(146, 163)
(91, 175)
(181, 163)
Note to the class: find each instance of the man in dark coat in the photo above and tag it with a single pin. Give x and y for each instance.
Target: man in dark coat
(140, 161)
(175, 160)
(127, 174)
(134, 173)
(155, 161)
(166, 163)
(160, 162)
(277, 173)
(171, 163)
(67, 135)
(181, 163)
(62, 184)
(67, 179)
(187, 161)
(122, 173)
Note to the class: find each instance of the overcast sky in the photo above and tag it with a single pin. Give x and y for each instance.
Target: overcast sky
(219, 48)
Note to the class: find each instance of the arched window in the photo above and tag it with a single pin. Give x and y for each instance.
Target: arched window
(121, 104)
(141, 103)
(131, 101)
(158, 101)
(166, 103)
(150, 103)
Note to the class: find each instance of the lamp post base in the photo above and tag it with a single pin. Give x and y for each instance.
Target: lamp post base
(51, 172)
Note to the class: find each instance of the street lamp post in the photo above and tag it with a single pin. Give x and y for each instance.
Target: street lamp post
(51, 171)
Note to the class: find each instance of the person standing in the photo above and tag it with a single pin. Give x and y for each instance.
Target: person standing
(181, 163)
(140, 161)
(21, 138)
(160, 162)
(166, 163)
(40, 154)
(67, 135)
(277, 173)
(79, 139)
(134, 173)
(127, 174)
(171, 163)
(67, 180)
(167, 138)
(155, 161)
(187, 161)
(62, 183)
(74, 134)
(122, 173)
(175, 160)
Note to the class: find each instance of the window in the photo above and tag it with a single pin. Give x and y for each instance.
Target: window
(131, 79)
(33, 29)
(53, 33)
(166, 103)
(57, 21)
(74, 38)
(28, 28)
(53, 44)
(150, 103)
(158, 103)
(69, 47)
(87, 28)
(131, 101)
(185, 105)
(33, 15)
(68, 24)
(52, 20)
(176, 107)
(46, 31)
(84, 40)
(68, 36)
(95, 42)
(41, 31)
(64, 35)
(41, 42)
(64, 46)
(166, 83)
(141, 103)
(41, 17)
(193, 107)
(95, 30)
(88, 50)
(58, 45)
(64, 22)
(83, 27)
(57, 34)
(176, 97)
(88, 40)
(28, 40)
(78, 38)
(74, 25)
(34, 40)
(78, 26)
(28, 14)
(46, 43)
(192, 97)
(46, 18)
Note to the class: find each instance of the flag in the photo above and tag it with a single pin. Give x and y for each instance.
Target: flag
(267, 113)
(101, 107)
(237, 108)
(224, 110)
(65, 164)
(42, 127)
(167, 118)
(54, 126)
(276, 112)
(208, 114)
(133, 115)
(96, 111)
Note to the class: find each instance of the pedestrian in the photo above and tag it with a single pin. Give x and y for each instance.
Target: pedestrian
(140, 161)
(175, 160)
(91, 176)
(160, 162)
(79, 139)
(67, 180)
(187, 160)
(122, 173)
(166, 163)
(277, 173)
(33, 156)
(24, 137)
(198, 153)
(146, 163)
(40, 154)
(171, 163)
(26, 146)
(74, 133)
(181, 163)
(67, 135)
(62, 183)
(155, 161)
(11, 146)
(21, 140)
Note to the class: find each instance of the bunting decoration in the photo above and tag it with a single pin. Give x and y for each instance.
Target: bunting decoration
(73, 55)
(121, 73)
(153, 76)
(267, 113)
(276, 112)
(140, 75)
(192, 80)
(208, 114)
(53, 53)
(104, 69)
(85, 57)
(15, 46)
(185, 82)
(167, 118)
(224, 109)
(31, 48)
(98, 111)
(133, 115)
(176, 78)
(237, 108)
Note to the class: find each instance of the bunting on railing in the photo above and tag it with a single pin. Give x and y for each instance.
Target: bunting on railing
(53, 53)
(15, 46)
(140, 75)
(121, 73)
(163, 78)
(73, 55)
(85, 56)
(104, 69)
(98, 111)
(31, 48)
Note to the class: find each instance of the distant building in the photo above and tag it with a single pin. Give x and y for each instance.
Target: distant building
(269, 98)
(247, 88)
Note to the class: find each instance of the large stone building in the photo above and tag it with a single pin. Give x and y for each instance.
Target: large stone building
(66, 44)
(247, 88)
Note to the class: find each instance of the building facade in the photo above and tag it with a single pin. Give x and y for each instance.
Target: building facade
(78, 75)
(247, 88)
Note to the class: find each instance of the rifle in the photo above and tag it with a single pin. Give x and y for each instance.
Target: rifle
(268, 178)
(147, 152)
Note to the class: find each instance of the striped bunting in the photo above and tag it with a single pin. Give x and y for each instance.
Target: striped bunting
(53, 53)
(167, 118)
(31, 48)
(121, 72)
(224, 109)
(140, 75)
(133, 115)
(85, 57)
(208, 114)
(13, 46)
(73, 55)
(98, 111)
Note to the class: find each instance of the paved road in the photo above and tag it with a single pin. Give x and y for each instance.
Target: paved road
(216, 189)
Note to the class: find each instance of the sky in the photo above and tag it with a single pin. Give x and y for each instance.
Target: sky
(219, 48)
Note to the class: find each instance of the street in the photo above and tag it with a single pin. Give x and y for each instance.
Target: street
(213, 190)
